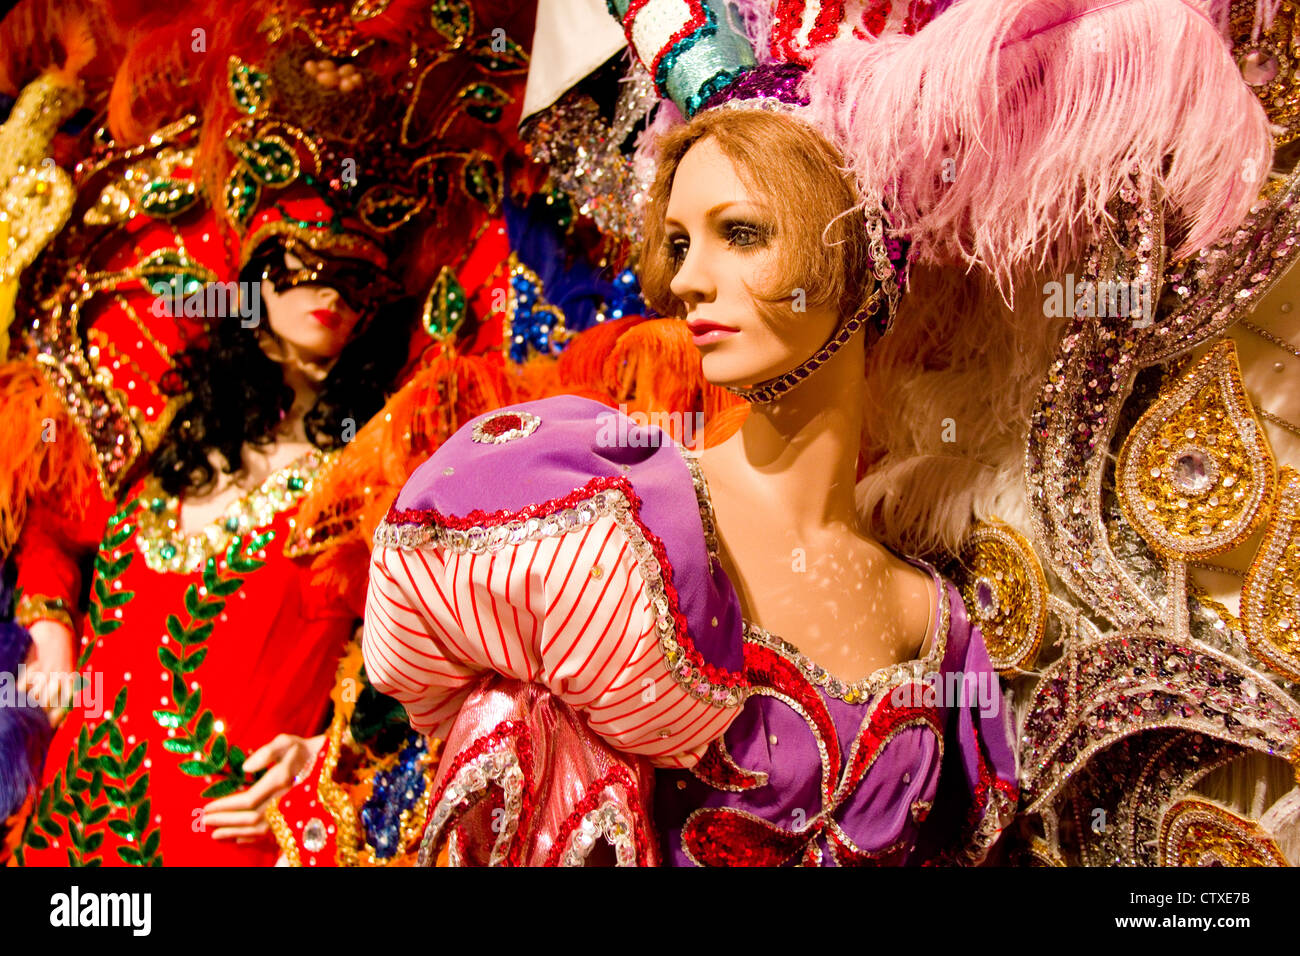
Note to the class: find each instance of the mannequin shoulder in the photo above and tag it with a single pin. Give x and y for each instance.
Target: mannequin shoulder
(535, 452)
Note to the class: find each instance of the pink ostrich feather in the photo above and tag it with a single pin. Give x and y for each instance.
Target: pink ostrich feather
(997, 135)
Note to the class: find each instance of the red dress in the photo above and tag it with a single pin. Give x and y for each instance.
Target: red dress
(197, 650)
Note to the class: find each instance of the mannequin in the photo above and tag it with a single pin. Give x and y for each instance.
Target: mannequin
(856, 606)
(204, 540)
(808, 570)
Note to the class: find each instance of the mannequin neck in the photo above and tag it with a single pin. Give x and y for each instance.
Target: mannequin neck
(796, 457)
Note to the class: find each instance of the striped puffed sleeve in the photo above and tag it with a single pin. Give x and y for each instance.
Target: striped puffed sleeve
(548, 562)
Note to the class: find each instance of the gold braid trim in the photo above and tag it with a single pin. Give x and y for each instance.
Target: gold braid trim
(41, 607)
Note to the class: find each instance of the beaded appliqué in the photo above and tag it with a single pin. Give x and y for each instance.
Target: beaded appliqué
(504, 427)
(1006, 593)
(1196, 474)
(1103, 691)
(166, 549)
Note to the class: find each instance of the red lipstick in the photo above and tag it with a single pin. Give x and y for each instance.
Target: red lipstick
(328, 318)
(705, 332)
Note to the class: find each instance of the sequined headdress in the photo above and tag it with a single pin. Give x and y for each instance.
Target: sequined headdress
(707, 54)
(995, 132)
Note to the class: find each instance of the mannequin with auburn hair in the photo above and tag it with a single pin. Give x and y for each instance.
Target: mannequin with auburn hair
(564, 623)
(752, 237)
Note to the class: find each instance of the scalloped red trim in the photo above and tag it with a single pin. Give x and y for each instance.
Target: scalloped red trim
(767, 666)
(544, 509)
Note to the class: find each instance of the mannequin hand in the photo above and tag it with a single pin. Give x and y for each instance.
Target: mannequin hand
(242, 816)
(50, 662)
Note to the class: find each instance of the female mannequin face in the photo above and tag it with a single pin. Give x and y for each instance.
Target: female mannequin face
(313, 322)
(724, 243)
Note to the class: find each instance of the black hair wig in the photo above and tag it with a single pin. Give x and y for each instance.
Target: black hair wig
(235, 394)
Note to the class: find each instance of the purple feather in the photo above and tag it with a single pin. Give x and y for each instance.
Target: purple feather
(24, 730)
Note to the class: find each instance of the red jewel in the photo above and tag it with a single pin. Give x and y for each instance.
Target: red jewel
(502, 424)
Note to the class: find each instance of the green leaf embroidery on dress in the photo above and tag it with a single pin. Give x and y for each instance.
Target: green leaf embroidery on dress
(208, 752)
(74, 792)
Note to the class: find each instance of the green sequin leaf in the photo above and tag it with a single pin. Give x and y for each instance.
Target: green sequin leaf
(242, 192)
(482, 181)
(138, 789)
(151, 842)
(122, 828)
(36, 841)
(247, 85)
(175, 629)
(114, 538)
(204, 728)
(129, 854)
(194, 768)
(116, 795)
(97, 815)
(93, 840)
(222, 788)
(133, 760)
(484, 102)
(167, 718)
(178, 745)
(216, 585)
(197, 635)
(191, 705)
(270, 160)
(115, 742)
(445, 307)
(454, 19)
(200, 609)
(119, 703)
(169, 660)
(166, 198)
(191, 663)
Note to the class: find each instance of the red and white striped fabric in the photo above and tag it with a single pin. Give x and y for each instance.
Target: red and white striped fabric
(569, 612)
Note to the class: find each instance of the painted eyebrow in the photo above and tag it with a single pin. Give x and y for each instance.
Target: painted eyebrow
(713, 212)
